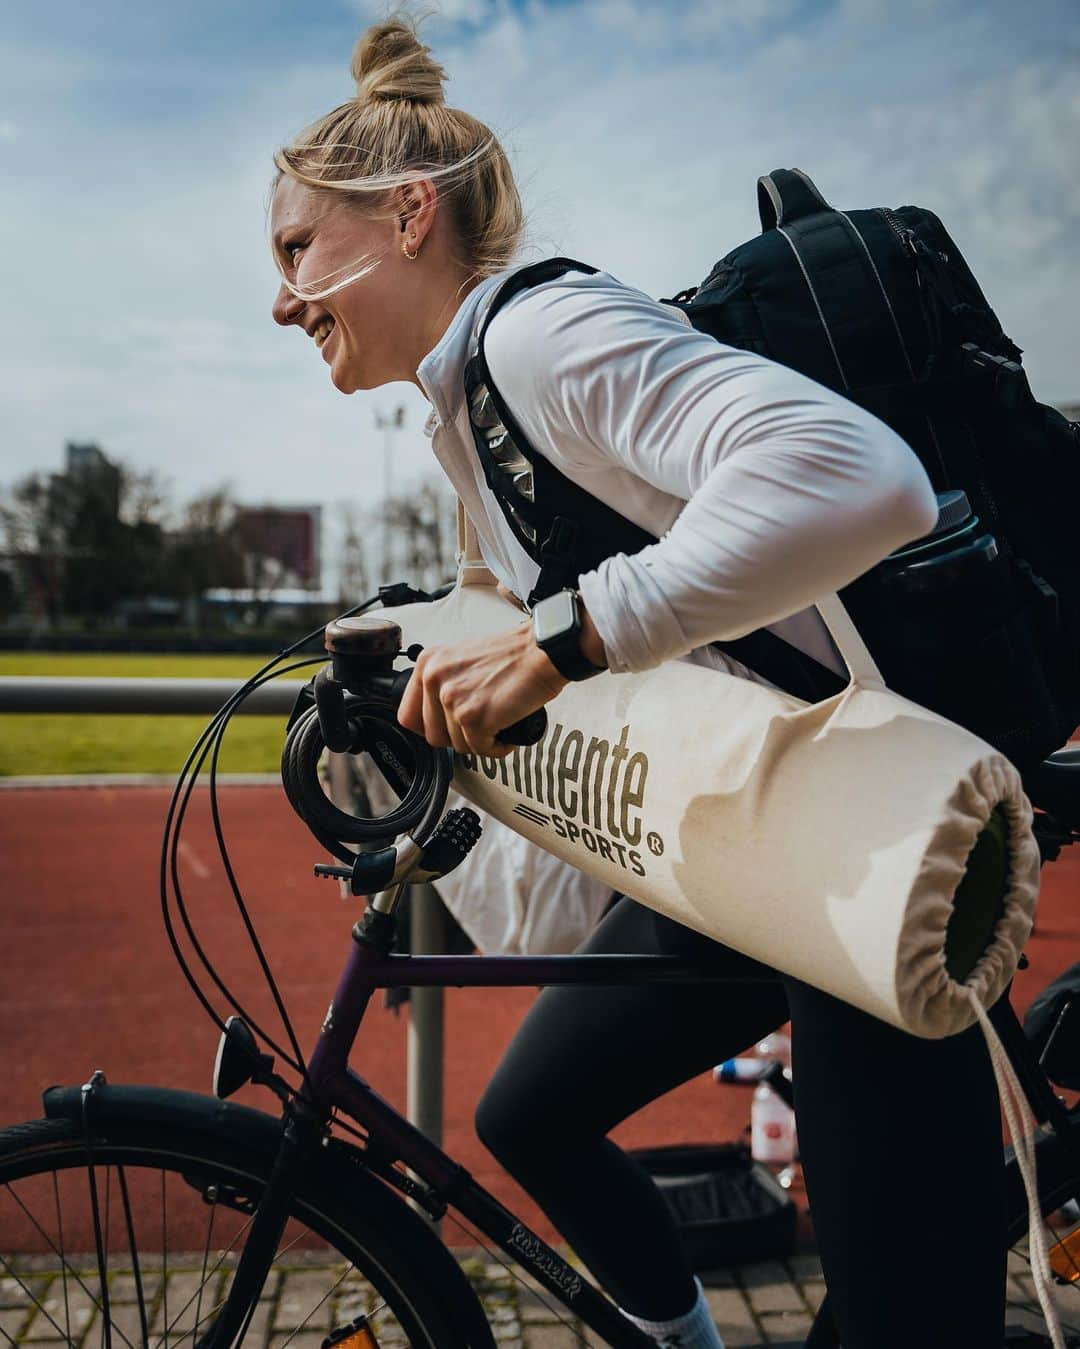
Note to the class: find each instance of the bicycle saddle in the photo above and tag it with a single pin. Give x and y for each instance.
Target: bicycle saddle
(1054, 786)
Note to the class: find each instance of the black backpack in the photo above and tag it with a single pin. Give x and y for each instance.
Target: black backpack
(880, 306)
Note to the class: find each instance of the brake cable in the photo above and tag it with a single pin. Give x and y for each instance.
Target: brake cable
(210, 738)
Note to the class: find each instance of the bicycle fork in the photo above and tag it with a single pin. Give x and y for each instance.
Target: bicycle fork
(299, 1139)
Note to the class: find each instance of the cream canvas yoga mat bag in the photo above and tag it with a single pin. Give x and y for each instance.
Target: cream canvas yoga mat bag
(831, 840)
(862, 844)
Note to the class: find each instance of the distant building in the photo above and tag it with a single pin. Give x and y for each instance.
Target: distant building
(282, 546)
(85, 458)
(91, 471)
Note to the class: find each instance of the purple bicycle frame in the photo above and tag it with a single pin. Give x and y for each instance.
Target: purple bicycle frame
(336, 1086)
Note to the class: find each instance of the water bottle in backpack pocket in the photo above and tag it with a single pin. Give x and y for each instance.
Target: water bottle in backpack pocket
(948, 622)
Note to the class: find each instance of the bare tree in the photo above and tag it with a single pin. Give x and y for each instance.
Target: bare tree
(83, 539)
(421, 533)
(205, 550)
(33, 518)
(353, 572)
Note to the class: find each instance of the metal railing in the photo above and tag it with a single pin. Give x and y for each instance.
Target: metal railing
(55, 693)
(170, 697)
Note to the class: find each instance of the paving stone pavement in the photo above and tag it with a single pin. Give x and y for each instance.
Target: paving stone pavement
(772, 1302)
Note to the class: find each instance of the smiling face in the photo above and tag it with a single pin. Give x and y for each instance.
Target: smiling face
(318, 240)
(378, 328)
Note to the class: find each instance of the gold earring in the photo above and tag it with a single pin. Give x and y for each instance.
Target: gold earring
(411, 256)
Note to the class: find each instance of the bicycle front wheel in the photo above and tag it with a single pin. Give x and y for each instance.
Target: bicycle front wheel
(173, 1209)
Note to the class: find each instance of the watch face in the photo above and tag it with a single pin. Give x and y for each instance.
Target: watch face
(554, 616)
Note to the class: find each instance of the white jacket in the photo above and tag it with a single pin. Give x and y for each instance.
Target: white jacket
(765, 490)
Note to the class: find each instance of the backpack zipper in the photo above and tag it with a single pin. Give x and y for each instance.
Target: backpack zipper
(904, 236)
(907, 239)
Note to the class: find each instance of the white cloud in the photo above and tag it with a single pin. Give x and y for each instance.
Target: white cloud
(471, 12)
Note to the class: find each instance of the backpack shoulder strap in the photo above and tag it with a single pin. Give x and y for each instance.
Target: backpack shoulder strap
(545, 510)
(567, 530)
(527, 277)
(478, 376)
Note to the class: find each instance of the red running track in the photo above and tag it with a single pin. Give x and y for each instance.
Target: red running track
(90, 980)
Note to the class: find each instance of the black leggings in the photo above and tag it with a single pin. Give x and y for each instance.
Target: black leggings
(900, 1140)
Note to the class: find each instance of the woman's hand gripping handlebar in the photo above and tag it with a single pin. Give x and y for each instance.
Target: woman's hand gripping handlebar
(481, 696)
(450, 686)
(357, 698)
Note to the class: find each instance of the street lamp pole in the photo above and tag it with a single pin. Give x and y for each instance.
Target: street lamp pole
(388, 425)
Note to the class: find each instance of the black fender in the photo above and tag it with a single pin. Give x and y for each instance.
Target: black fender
(188, 1111)
(336, 1173)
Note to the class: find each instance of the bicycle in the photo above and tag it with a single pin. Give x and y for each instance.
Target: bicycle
(223, 1191)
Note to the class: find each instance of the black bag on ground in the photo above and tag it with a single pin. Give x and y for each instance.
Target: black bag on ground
(728, 1209)
(1052, 1024)
(880, 306)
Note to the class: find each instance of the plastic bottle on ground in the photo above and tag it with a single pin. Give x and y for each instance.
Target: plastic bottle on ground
(772, 1129)
(741, 1069)
(773, 1140)
(776, 1046)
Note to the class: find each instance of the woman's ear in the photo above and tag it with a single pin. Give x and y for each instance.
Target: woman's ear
(419, 204)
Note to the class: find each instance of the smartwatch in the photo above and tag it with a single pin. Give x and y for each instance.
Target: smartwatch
(557, 630)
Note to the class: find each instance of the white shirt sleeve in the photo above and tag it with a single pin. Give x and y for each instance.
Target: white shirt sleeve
(791, 490)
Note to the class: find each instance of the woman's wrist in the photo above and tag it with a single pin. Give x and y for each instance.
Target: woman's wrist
(592, 648)
(567, 637)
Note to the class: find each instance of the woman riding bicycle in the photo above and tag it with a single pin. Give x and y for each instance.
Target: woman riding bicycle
(395, 218)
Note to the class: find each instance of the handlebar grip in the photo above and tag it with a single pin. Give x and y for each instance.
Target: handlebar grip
(527, 731)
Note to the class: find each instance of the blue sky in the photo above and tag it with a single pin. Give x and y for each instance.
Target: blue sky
(136, 143)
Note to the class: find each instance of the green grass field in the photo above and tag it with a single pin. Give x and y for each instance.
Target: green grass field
(58, 743)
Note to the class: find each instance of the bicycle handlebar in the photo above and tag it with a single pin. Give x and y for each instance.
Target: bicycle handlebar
(356, 698)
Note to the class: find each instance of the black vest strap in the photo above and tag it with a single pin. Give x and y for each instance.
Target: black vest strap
(784, 665)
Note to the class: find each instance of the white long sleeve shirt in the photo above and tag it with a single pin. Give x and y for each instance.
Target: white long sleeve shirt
(765, 490)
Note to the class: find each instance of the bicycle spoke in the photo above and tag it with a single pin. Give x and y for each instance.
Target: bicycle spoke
(176, 1236)
(13, 1275)
(106, 1327)
(63, 1261)
(163, 1342)
(206, 1257)
(171, 1325)
(329, 1293)
(208, 1315)
(95, 1210)
(97, 1306)
(135, 1270)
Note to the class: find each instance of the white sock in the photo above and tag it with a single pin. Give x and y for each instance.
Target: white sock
(695, 1330)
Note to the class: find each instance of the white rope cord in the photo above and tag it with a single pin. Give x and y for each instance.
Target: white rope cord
(1021, 1126)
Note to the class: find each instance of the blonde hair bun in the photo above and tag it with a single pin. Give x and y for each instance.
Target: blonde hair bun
(390, 63)
(398, 129)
